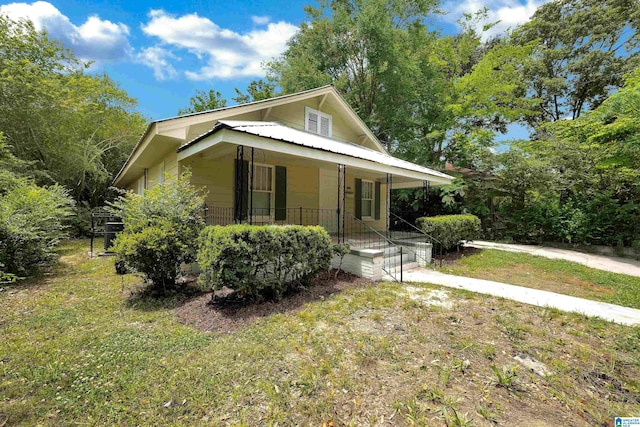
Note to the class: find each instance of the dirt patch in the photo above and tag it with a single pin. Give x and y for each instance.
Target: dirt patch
(222, 313)
(450, 258)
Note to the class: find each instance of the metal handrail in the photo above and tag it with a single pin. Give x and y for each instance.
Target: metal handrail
(384, 239)
(422, 232)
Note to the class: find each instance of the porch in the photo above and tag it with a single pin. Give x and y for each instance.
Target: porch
(267, 173)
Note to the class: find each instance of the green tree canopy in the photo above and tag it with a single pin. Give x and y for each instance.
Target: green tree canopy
(204, 101)
(73, 128)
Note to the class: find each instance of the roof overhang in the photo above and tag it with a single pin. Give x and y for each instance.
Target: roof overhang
(223, 133)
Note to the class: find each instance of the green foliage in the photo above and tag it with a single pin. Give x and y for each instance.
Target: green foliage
(71, 128)
(340, 250)
(262, 261)
(203, 101)
(451, 229)
(505, 377)
(583, 49)
(256, 91)
(32, 223)
(161, 228)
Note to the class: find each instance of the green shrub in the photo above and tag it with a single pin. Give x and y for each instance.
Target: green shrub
(451, 229)
(340, 250)
(161, 229)
(31, 226)
(262, 261)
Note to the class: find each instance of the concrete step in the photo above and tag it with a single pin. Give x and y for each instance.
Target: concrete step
(395, 258)
(395, 269)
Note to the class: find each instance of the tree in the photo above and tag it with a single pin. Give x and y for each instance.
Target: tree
(369, 51)
(204, 101)
(72, 128)
(256, 91)
(583, 50)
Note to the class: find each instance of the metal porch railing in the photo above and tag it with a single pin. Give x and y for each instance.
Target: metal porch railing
(404, 231)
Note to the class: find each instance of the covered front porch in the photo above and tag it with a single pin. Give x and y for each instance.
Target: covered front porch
(271, 174)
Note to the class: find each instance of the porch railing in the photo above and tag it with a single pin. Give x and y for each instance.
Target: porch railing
(403, 231)
(328, 218)
(366, 237)
(343, 229)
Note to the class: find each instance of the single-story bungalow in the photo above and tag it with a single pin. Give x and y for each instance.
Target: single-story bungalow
(305, 158)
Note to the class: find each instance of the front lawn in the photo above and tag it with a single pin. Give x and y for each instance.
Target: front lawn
(537, 272)
(81, 346)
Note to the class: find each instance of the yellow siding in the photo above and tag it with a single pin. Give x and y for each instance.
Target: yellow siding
(216, 177)
(350, 203)
(293, 115)
(171, 164)
(302, 186)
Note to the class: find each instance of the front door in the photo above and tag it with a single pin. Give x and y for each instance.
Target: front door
(328, 199)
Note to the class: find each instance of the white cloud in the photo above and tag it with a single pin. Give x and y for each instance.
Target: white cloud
(261, 20)
(96, 39)
(229, 54)
(509, 12)
(157, 59)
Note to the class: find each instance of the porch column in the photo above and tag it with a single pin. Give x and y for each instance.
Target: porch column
(251, 189)
(425, 198)
(388, 203)
(239, 187)
(342, 175)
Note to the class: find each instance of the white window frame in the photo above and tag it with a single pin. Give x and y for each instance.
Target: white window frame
(269, 217)
(320, 114)
(373, 198)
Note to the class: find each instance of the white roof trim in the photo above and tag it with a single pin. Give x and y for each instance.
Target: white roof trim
(280, 132)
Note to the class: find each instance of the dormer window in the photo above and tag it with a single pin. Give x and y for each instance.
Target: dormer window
(317, 122)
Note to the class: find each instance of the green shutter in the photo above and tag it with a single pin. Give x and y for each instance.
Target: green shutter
(241, 179)
(377, 201)
(281, 193)
(358, 198)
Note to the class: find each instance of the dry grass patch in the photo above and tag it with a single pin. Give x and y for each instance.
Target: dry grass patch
(363, 355)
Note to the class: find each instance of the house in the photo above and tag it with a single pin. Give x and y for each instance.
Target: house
(305, 158)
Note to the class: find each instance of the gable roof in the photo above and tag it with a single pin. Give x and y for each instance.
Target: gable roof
(224, 112)
(279, 132)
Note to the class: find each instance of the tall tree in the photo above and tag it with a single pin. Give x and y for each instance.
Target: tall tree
(583, 50)
(75, 129)
(366, 49)
(204, 101)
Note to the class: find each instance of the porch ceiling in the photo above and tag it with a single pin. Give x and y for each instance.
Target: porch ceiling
(308, 149)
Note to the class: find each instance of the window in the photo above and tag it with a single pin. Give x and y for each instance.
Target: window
(317, 122)
(262, 176)
(367, 199)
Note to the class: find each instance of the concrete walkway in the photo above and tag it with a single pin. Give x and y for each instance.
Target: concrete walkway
(601, 262)
(614, 313)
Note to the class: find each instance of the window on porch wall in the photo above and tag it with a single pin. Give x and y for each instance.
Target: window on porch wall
(262, 190)
(367, 199)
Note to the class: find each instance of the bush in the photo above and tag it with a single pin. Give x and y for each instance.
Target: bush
(161, 228)
(451, 229)
(31, 226)
(262, 261)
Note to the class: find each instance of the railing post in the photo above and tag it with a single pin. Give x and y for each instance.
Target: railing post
(401, 262)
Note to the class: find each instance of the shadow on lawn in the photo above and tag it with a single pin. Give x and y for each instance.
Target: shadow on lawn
(225, 313)
(146, 298)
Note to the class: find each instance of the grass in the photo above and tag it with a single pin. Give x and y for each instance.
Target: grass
(559, 276)
(78, 348)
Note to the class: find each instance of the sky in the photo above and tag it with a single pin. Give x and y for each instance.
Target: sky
(162, 53)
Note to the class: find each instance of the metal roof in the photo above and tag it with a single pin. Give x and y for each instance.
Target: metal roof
(280, 132)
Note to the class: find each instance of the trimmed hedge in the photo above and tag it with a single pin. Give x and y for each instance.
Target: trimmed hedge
(262, 261)
(451, 229)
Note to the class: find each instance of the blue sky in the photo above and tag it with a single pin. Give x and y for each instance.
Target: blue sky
(162, 53)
